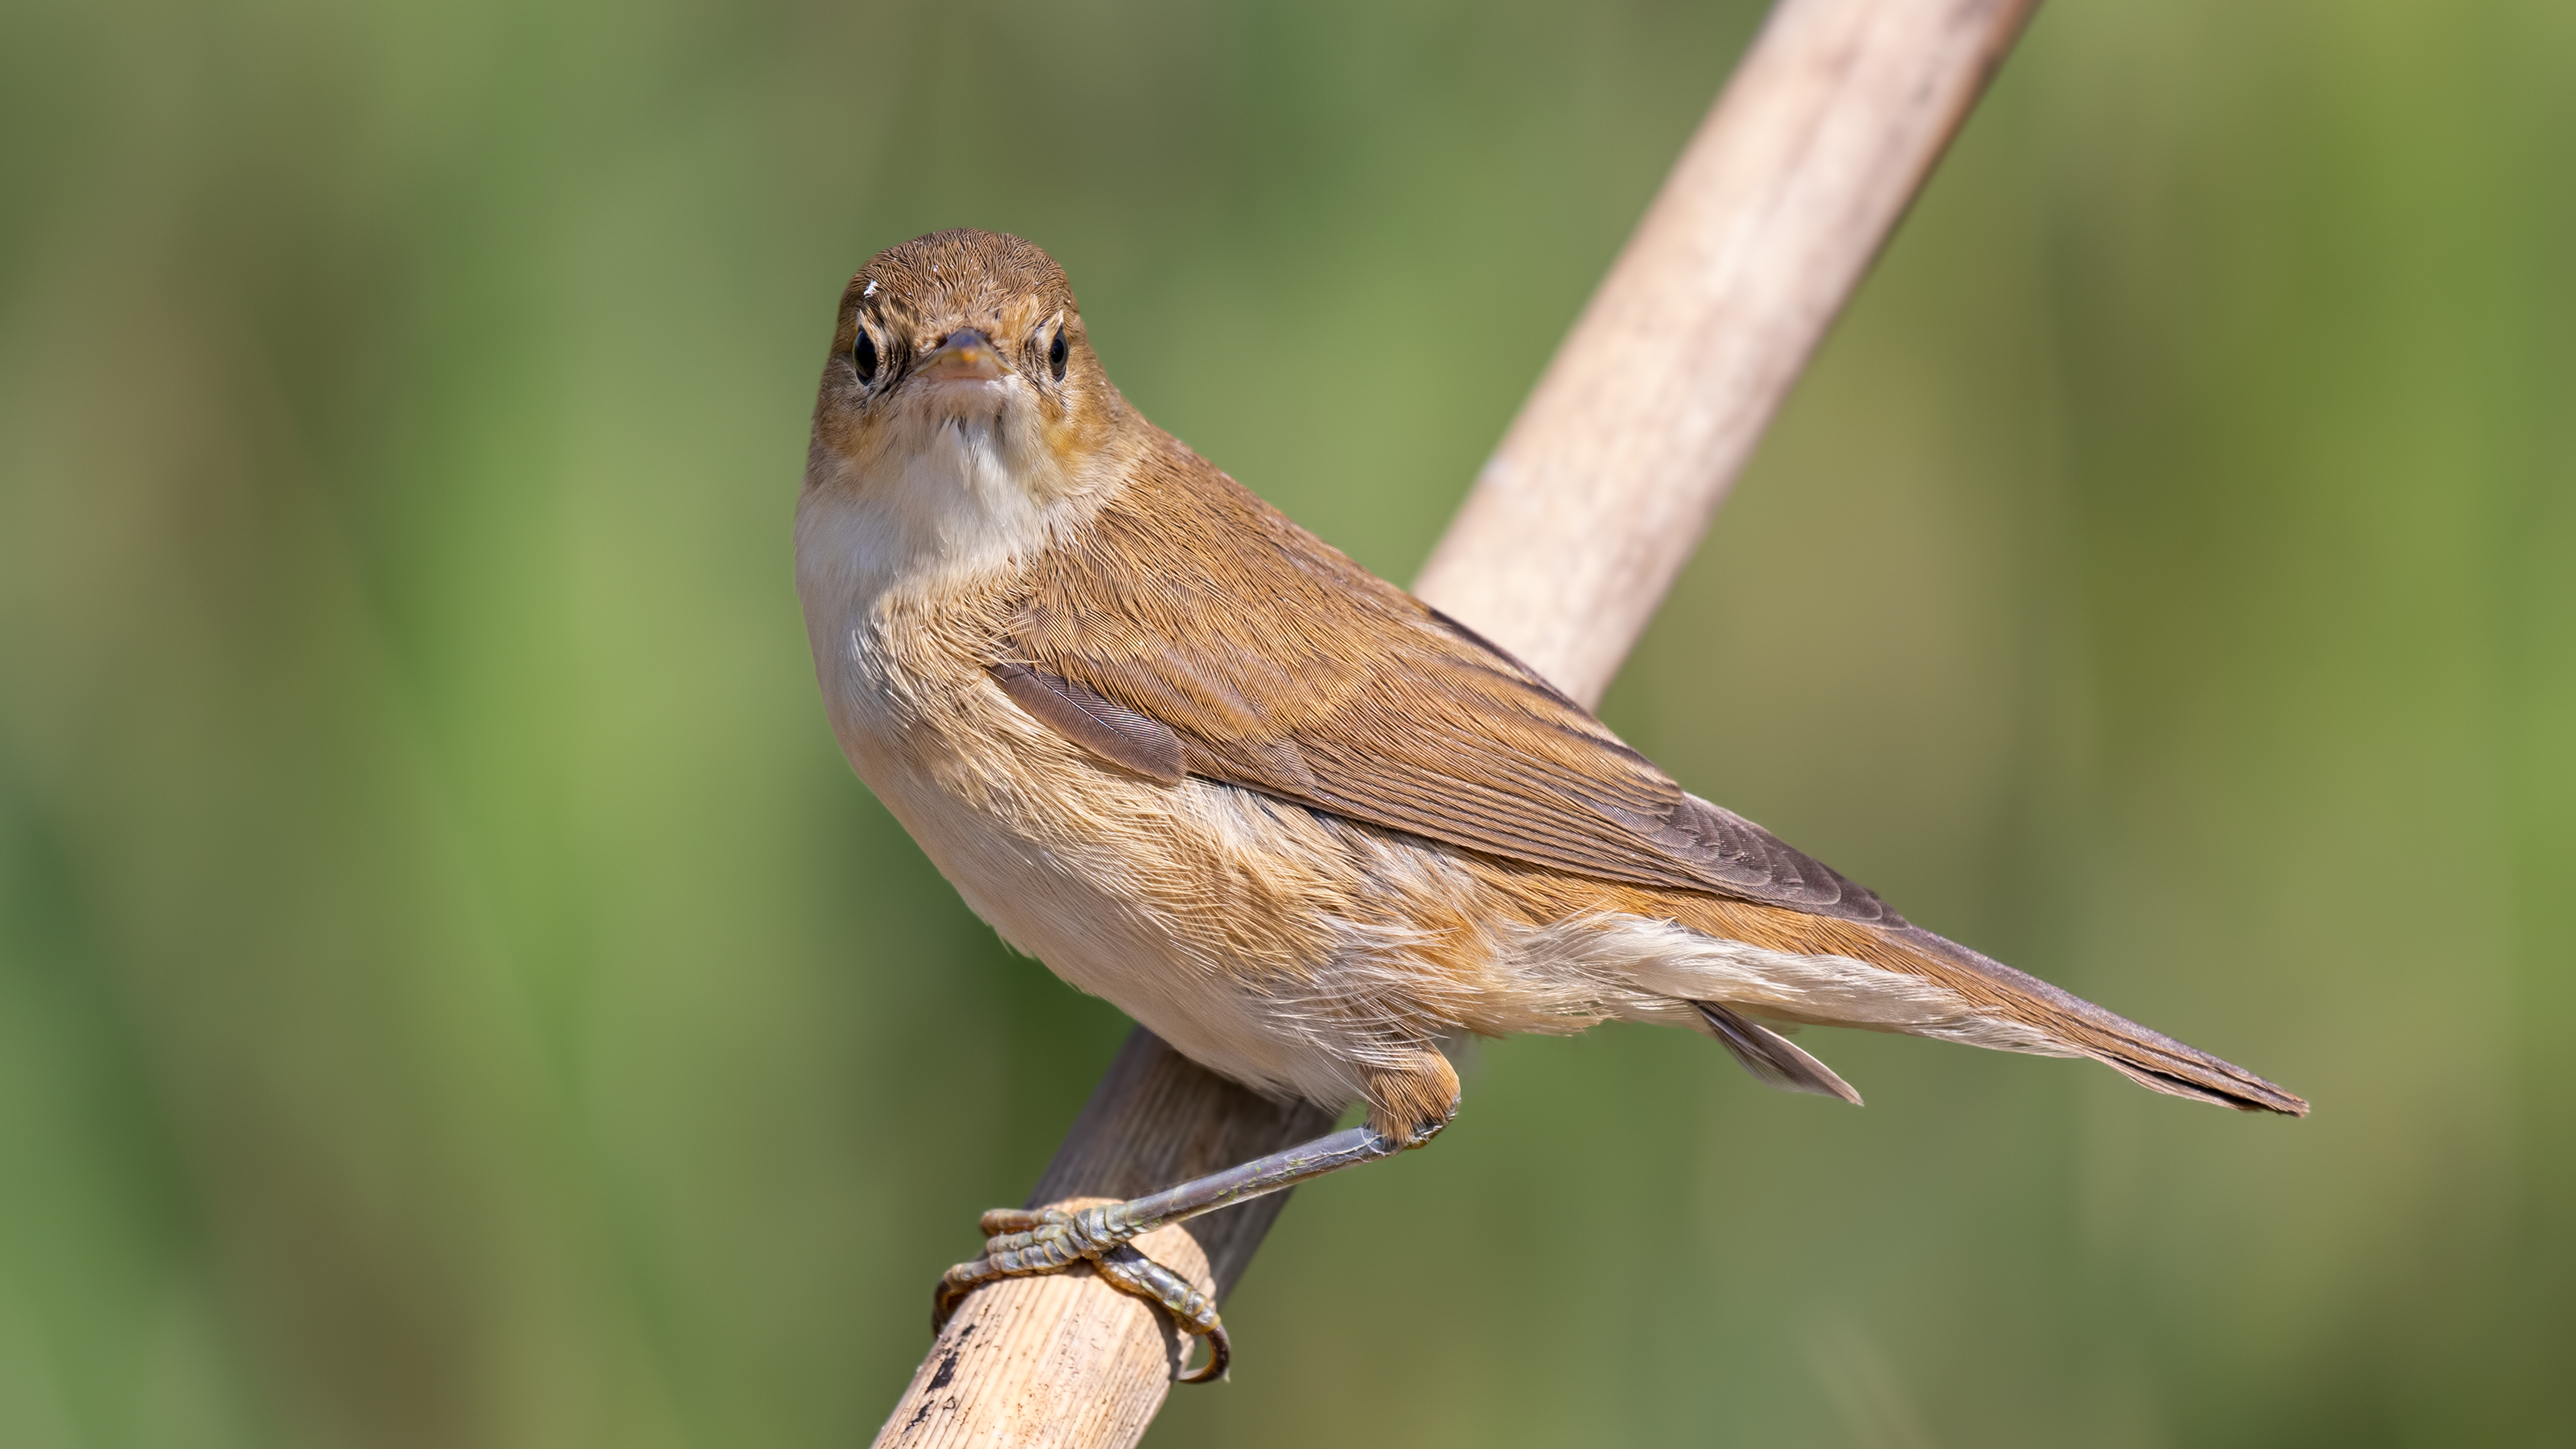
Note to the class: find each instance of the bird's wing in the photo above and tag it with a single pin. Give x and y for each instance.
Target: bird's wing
(1193, 629)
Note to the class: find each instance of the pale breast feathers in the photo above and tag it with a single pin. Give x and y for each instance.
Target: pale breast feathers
(1196, 630)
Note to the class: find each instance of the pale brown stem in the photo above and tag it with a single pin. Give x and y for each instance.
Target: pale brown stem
(1574, 531)
(1654, 402)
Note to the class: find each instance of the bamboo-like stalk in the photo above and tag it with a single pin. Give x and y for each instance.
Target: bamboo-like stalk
(1571, 537)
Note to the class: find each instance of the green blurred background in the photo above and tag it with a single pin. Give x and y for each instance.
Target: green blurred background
(452, 993)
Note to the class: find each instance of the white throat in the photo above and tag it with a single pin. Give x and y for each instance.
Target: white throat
(942, 495)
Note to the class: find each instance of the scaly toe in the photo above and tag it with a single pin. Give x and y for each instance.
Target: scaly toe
(1193, 1312)
(1021, 1242)
(1025, 1242)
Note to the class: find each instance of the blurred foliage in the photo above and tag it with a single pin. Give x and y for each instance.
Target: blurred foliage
(452, 992)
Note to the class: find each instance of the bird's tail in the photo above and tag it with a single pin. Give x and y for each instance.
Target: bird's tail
(2147, 1057)
(1779, 965)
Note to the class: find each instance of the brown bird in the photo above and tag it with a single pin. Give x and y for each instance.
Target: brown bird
(1303, 826)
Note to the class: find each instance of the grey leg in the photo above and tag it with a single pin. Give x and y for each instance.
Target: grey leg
(1019, 1242)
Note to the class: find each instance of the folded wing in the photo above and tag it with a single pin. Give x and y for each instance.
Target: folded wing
(1278, 665)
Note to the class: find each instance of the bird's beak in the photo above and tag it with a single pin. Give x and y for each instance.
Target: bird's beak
(967, 356)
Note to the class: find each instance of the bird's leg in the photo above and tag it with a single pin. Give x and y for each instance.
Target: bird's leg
(1019, 1242)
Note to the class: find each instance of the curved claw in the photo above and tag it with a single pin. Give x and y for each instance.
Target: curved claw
(1220, 1354)
(952, 1288)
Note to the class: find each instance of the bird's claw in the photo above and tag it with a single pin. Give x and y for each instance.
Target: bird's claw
(1021, 1243)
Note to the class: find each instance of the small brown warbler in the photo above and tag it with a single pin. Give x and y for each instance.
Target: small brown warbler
(1301, 825)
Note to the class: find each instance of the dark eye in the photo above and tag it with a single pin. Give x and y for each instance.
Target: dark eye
(863, 356)
(1056, 354)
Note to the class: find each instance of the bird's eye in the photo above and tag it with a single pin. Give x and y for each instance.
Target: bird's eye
(863, 356)
(1057, 352)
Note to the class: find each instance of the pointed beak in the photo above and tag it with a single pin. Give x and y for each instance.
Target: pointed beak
(966, 356)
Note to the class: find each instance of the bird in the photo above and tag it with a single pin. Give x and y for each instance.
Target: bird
(1306, 828)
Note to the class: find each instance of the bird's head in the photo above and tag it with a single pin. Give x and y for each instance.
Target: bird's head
(960, 361)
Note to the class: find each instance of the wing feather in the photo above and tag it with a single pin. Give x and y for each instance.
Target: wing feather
(1278, 665)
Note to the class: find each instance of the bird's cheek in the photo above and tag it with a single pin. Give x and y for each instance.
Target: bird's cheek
(1068, 438)
(842, 430)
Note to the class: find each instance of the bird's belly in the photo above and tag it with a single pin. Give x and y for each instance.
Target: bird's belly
(1216, 937)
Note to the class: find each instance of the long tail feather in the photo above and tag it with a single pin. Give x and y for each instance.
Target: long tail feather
(1885, 975)
(2146, 1056)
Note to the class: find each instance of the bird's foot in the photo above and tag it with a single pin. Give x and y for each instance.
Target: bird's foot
(1021, 1243)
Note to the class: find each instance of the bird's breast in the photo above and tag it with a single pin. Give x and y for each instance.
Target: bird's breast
(1091, 869)
(1264, 939)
